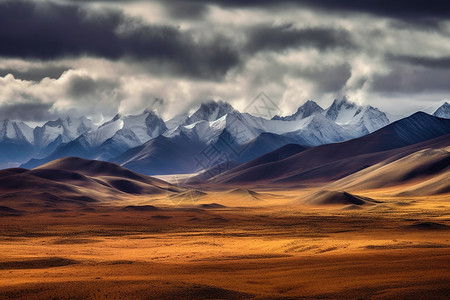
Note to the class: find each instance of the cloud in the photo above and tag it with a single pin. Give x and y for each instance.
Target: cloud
(97, 58)
(50, 30)
(181, 9)
(75, 92)
(282, 37)
(424, 61)
(329, 79)
(35, 73)
(31, 112)
(410, 79)
(397, 9)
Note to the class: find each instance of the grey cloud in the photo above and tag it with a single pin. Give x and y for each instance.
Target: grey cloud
(81, 87)
(276, 38)
(184, 67)
(35, 73)
(33, 112)
(424, 61)
(50, 30)
(90, 96)
(181, 9)
(396, 9)
(329, 79)
(411, 79)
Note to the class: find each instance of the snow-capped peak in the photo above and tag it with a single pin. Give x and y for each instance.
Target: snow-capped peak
(95, 138)
(317, 130)
(369, 118)
(309, 108)
(16, 132)
(176, 121)
(359, 120)
(133, 130)
(342, 111)
(210, 111)
(68, 129)
(443, 111)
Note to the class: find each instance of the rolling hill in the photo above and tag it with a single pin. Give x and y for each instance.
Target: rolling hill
(72, 181)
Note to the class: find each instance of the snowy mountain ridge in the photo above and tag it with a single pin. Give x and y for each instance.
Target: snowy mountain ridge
(310, 125)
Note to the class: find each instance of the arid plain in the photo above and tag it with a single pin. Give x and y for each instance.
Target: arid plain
(227, 244)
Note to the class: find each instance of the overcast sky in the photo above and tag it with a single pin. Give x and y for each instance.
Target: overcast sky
(97, 58)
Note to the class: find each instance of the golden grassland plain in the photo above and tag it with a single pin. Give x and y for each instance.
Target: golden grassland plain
(231, 244)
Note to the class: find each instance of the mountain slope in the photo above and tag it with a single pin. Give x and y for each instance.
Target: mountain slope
(162, 155)
(108, 140)
(70, 182)
(443, 111)
(309, 108)
(187, 152)
(417, 128)
(360, 119)
(210, 111)
(341, 111)
(68, 129)
(318, 130)
(213, 123)
(16, 140)
(418, 166)
(272, 156)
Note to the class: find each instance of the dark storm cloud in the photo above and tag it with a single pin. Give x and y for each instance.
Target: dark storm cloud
(276, 38)
(84, 86)
(181, 9)
(397, 9)
(36, 73)
(329, 79)
(426, 62)
(33, 112)
(49, 31)
(410, 79)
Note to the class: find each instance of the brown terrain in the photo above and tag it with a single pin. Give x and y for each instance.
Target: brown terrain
(79, 229)
(349, 220)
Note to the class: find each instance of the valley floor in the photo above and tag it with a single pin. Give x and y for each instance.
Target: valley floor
(399, 249)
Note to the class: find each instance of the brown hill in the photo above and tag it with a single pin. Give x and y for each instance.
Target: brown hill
(433, 186)
(326, 197)
(74, 181)
(427, 168)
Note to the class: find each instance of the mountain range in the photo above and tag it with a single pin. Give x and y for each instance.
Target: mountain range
(331, 162)
(407, 158)
(215, 134)
(410, 157)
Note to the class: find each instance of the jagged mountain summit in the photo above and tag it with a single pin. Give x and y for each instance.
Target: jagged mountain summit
(342, 111)
(16, 132)
(16, 143)
(136, 129)
(54, 133)
(443, 111)
(239, 137)
(337, 160)
(355, 119)
(236, 134)
(69, 129)
(110, 139)
(210, 111)
(361, 119)
(310, 108)
(142, 141)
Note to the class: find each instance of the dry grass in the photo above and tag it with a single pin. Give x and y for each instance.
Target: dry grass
(243, 248)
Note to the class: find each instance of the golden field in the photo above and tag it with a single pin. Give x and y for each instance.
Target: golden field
(260, 244)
